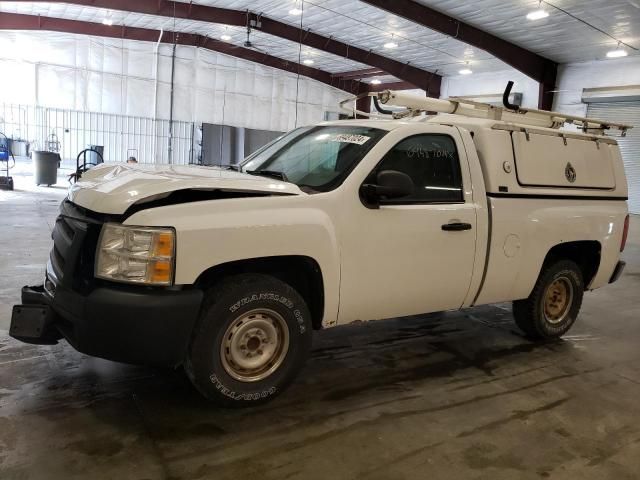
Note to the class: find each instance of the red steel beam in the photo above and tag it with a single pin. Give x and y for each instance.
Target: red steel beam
(531, 64)
(392, 86)
(374, 72)
(364, 73)
(14, 21)
(423, 79)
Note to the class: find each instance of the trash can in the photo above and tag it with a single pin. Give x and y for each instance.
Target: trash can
(92, 157)
(46, 167)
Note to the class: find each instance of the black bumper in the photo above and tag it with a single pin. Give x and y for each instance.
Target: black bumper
(130, 325)
(618, 271)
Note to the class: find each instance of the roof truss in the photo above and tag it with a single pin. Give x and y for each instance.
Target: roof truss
(14, 21)
(428, 81)
(531, 64)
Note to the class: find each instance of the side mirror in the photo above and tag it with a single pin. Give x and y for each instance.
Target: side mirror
(389, 184)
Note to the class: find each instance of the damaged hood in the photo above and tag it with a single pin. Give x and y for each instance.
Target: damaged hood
(113, 188)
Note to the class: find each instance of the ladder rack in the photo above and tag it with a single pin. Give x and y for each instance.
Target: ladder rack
(416, 105)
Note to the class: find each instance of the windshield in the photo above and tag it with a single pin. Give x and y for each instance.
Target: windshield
(315, 157)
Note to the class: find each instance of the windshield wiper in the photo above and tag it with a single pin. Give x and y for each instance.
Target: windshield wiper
(308, 188)
(269, 173)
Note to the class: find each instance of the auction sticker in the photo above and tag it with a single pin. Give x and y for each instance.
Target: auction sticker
(351, 138)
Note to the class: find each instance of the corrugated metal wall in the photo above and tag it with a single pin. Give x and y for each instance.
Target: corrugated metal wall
(629, 113)
(122, 136)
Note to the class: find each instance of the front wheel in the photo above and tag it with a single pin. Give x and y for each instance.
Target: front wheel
(253, 337)
(554, 303)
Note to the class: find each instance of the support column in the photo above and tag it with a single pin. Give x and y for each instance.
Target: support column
(364, 105)
(547, 87)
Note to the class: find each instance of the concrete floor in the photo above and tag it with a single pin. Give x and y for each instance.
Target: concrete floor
(458, 395)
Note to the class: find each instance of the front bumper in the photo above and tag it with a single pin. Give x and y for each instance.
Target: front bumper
(126, 324)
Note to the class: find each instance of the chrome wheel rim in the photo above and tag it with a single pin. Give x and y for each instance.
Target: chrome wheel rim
(255, 345)
(557, 300)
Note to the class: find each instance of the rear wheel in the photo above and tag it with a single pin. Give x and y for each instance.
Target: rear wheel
(554, 303)
(253, 337)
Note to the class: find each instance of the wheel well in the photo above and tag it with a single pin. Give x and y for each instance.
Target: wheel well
(585, 253)
(300, 272)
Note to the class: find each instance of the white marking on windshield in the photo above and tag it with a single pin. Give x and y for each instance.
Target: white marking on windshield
(351, 138)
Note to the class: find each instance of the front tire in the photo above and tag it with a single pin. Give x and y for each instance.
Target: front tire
(253, 337)
(553, 306)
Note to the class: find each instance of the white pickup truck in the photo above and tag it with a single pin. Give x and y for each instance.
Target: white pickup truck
(228, 271)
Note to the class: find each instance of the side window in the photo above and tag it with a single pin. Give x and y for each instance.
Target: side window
(431, 160)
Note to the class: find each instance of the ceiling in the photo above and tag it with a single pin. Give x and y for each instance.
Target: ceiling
(559, 37)
(273, 45)
(369, 28)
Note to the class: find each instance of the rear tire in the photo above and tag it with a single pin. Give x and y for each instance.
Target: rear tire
(553, 306)
(253, 337)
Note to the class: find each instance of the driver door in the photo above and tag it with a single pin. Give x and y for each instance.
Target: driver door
(413, 254)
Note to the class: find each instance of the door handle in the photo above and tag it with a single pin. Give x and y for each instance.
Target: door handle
(456, 227)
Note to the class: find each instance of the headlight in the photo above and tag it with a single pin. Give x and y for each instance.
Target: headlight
(136, 254)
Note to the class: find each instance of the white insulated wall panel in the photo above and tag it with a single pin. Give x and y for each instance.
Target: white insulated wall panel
(113, 76)
(629, 113)
(491, 83)
(574, 77)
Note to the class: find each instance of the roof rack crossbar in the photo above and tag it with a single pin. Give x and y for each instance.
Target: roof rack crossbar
(470, 108)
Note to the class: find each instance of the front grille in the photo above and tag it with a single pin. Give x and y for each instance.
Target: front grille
(62, 253)
(57, 261)
(66, 229)
(75, 237)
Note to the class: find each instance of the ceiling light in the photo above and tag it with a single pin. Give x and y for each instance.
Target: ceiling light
(537, 14)
(617, 53)
(375, 81)
(465, 71)
(308, 61)
(295, 11)
(225, 37)
(390, 45)
(107, 21)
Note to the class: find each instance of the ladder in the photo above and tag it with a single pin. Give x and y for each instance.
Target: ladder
(416, 105)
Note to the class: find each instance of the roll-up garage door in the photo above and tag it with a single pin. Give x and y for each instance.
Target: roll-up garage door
(629, 113)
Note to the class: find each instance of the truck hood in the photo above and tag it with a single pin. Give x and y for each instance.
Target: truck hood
(113, 188)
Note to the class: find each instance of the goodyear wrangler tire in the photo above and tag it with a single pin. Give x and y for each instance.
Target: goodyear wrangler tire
(253, 337)
(553, 306)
